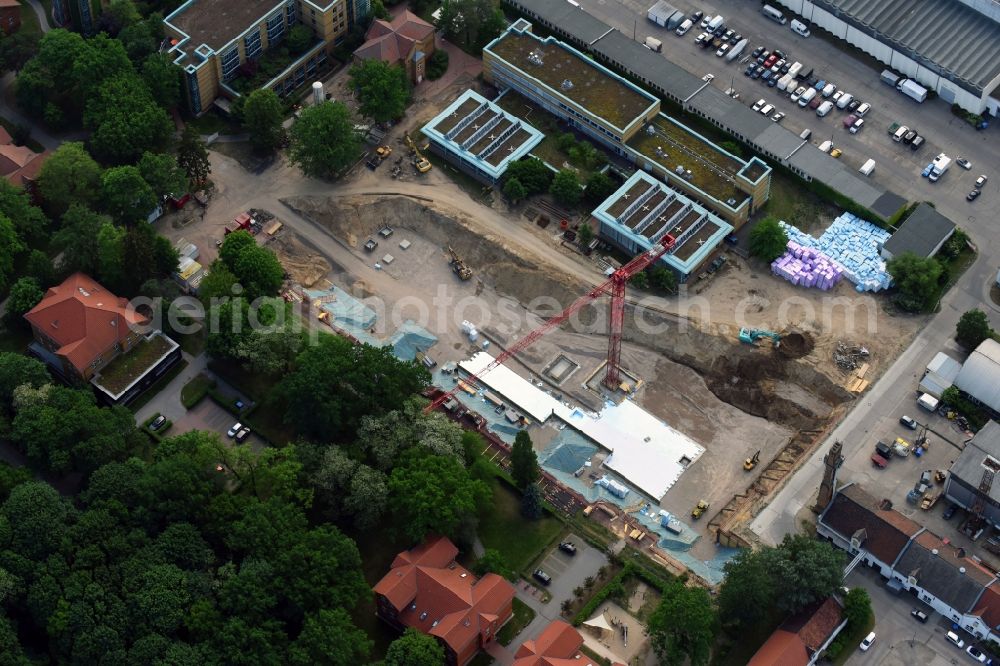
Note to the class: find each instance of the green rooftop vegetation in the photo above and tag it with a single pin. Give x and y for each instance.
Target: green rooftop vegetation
(117, 375)
(712, 171)
(575, 77)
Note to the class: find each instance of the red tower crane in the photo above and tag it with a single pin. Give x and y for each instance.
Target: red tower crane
(614, 285)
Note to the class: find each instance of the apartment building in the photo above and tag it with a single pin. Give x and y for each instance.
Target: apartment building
(213, 40)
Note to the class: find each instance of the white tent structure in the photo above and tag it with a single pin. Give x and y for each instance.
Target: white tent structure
(598, 622)
(980, 375)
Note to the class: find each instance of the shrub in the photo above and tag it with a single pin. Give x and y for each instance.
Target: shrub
(437, 65)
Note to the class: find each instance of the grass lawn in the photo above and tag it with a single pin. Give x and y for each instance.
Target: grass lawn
(522, 617)
(795, 204)
(852, 639)
(125, 369)
(519, 541)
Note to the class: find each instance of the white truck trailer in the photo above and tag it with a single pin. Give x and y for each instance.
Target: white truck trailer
(912, 89)
(938, 167)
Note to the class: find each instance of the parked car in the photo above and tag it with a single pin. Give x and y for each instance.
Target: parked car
(757, 71)
(973, 195)
(909, 136)
(798, 93)
(735, 39)
(981, 181)
(749, 70)
(158, 423)
(757, 51)
(568, 547)
(919, 615)
(767, 75)
(723, 49)
(758, 104)
(908, 422)
(855, 103)
(542, 577)
(771, 59)
(976, 654)
(950, 511)
(867, 642)
(242, 435)
(836, 152)
(787, 66)
(917, 142)
(858, 125)
(778, 116)
(849, 120)
(836, 96)
(728, 34)
(862, 109)
(697, 16)
(964, 163)
(953, 638)
(236, 427)
(705, 21)
(816, 101)
(773, 81)
(766, 109)
(780, 53)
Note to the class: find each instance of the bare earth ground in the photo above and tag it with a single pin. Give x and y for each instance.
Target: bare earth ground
(732, 398)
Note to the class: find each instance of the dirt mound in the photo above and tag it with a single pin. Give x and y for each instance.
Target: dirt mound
(796, 344)
(304, 265)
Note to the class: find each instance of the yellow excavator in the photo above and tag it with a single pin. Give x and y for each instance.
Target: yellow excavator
(751, 462)
(422, 164)
(459, 266)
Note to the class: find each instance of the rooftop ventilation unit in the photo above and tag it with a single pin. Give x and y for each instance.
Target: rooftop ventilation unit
(650, 130)
(566, 85)
(535, 58)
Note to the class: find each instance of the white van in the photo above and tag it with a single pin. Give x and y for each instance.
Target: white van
(807, 97)
(826, 146)
(824, 108)
(829, 89)
(844, 100)
(683, 28)
(900, 133)
(867, 168)
(928, 402)
(800, 28)
(773, 14)
(785, 81)
(715, 23)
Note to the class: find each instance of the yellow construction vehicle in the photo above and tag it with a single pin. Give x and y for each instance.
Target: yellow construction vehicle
(700, 509)
(459, 266)
(383, 152)
(422, 164)
(751, 462)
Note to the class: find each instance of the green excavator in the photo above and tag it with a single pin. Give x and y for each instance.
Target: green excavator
(752, 335)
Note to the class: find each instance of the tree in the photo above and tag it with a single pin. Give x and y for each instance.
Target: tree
(639, 280)
(163, 174)
(367, 498)
(491, 561)
(78, 239)
(329, 638)
(69, 176)
(383, 438)
(125, 120)
(254, 266)
(163, 79)
(917, 281)
(414, 648)
(768, 240)
(383, 89)
(10, 246)
(262, 118)
(299, 39)
(332, 386)
(514, 190)
(973, 327)
(127, 197)
(471, 22)
(39, 266)
(45, 78)
(747, 593)
(16, 50)
(599, 187)
(24, 295)
(585, 234)
(682, 628)
(532, 173)
(35, 515)
(323, 141)
(437, 64)
(566, 188)
(805, 571)
(29, 221)
(663, 278)
(192, 157)
(19, 370)
(531, 502)
(523, 461)
(379, 11)
(857, 607)
(434, 494)
(111, 254)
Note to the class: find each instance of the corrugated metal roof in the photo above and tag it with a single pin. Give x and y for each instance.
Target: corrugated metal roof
(922, 233)
(661, 11)
(946, 35)
(969, 465)
(671, 80)
(980, 375)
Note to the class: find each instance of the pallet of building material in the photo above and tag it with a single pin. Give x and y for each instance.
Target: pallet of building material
(862, 370)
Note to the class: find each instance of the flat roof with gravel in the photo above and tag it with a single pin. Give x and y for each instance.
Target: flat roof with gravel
(218, 22)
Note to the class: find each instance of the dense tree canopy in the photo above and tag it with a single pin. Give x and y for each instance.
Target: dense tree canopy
(126, 196)
(768, 240)
(192, 157)
(414, 648)
(532, 173)
(69, 176)
(973, 327)
(682, 628)
(383, 89)
(917, 281)
(335, 383)
(262, 118)
(566, 188)
(254, 266)
(323, 140)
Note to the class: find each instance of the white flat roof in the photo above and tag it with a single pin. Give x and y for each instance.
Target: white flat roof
(645, 451)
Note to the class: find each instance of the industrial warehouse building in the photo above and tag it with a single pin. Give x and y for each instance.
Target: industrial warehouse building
(946, 45)
(980, 456)
(479, 137)
(663, 77)
(979, 378)
(625, 119)
(644, 210)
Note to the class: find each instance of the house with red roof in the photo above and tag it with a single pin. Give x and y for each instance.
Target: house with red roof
(10, 16)
(801, 639)
(81, 331)
(407, 41)
(428, 590)
(19, 164)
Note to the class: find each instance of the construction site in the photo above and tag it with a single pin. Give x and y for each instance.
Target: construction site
(697, 430)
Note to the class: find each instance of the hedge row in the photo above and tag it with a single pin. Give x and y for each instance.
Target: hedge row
(602, 594)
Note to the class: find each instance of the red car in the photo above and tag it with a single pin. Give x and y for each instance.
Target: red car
(770, 61)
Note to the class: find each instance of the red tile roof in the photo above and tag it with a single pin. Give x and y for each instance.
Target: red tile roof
(800, 636)
(432, 593)
(391, 42)
(818, 625)
(557, 645)
(782, 648)
(83, 318)
(988, 606)
(18, 163)
(884, 532)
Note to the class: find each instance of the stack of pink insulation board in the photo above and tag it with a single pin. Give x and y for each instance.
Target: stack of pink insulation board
(807, 267)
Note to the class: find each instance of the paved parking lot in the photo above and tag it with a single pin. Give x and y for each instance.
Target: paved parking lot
(897, 168)
(569, 571)
(208, 416)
